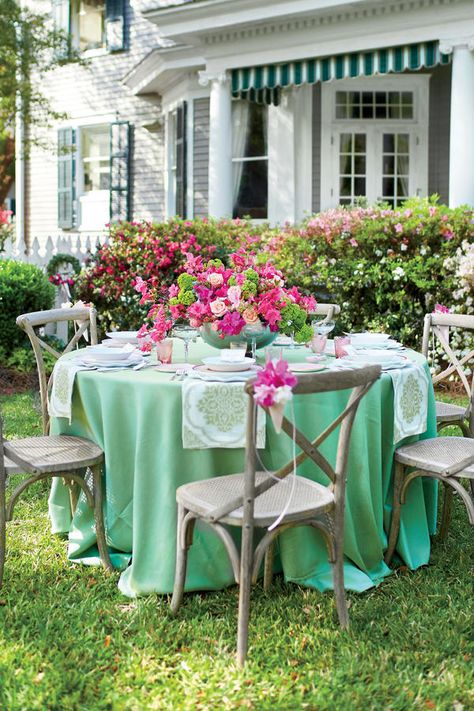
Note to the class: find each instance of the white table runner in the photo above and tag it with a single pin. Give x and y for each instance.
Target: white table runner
(214, 415)
(410, 401)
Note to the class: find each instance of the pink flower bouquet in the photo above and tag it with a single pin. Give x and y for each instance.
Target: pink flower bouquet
(229, 298)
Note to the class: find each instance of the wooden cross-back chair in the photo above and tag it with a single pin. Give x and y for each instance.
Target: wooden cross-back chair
(51, 456)
(447, 459)
(256, 499)
(436, 328)
(326, 310)
(83, 318)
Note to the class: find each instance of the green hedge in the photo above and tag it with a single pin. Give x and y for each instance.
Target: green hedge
(385, 268)
(23, 288)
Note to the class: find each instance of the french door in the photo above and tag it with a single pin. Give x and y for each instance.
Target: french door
(376, 163)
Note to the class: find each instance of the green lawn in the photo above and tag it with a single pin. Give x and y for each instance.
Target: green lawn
(70, 640)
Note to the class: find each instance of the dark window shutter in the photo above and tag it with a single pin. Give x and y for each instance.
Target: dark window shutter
(181, 183)
(115, 25)
(61, 13)
(66, 177)
(120, 135)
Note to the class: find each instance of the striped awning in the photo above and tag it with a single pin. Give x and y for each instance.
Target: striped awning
(264, 83)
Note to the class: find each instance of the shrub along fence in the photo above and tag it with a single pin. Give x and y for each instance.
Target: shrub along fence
(386, 268)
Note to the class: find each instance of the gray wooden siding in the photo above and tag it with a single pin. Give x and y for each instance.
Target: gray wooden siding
(316, 187)
(439, 125)
(92, 95)
(201, 158)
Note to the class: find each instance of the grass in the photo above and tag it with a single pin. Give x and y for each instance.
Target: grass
(69, 640)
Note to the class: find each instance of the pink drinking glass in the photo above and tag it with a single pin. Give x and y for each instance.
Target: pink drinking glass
(340, 342)
(165, 350)
(318, 344)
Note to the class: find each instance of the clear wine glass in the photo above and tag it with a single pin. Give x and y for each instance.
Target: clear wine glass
(252, 331)
(186, 333)
(321, 330)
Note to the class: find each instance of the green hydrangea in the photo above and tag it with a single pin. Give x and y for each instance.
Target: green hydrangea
(185, 281)
(232, 281)
(214, 263)
(252, 275)
(249, 288)
(174, 301)
(293, 318)
(305, 334)
(186, 297)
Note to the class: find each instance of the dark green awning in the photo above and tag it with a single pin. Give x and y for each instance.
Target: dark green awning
(264, 83)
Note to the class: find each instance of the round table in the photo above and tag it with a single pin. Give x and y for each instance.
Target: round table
(135, 416)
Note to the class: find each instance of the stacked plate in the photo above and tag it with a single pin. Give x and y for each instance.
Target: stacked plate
(120, 338)
(387, 360)
(105, 357)
(216, 368)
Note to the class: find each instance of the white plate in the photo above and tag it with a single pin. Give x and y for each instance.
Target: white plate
(103, 353)
(172, 367)
(124, 336)
(368, 339)
(387, 345)
(203, 372)
(134, 359)
(221, 366)
(386, 360)
(306, 367)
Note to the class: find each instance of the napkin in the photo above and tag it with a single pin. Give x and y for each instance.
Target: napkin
(410, 401)
(214, 415)
(64, 374)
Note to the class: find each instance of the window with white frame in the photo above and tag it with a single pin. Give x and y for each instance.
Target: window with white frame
(177, 160)
(88, 24)
(374, 140)
(95, 156)
(250, 159)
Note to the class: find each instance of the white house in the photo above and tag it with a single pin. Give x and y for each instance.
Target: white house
(268, 108)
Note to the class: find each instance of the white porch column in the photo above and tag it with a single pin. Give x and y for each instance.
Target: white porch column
(461, 149)
(220, 144)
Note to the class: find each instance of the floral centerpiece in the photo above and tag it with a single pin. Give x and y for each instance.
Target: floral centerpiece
(230, 299)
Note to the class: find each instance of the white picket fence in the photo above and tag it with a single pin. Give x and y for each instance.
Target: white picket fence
(40, 252)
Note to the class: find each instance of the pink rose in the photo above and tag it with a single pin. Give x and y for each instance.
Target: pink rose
(250, 315)
(215, 279)
(233, 294)
(218, 307)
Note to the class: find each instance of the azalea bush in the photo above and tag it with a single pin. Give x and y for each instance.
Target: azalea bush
(385, 268)
(6, 227)
(230, 297)
(156, 252)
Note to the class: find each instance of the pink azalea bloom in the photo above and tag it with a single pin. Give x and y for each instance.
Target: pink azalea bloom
(353, 242)
(408, 213)
(173, 291)
(399, 227)
(432, 210)
(276, 374)
(441, 309)
(231, 323)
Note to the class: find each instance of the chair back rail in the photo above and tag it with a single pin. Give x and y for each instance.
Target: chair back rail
(83, 318)
(327, 310)
(359, 381)
(435, 325)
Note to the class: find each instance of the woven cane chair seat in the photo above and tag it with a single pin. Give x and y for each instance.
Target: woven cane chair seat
(436, 454)
(55, 453)
(308, 499)
(445, 412)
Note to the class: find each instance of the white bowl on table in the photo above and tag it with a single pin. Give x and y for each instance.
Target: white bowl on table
(367, 340)
(219, 365)
(123, 336)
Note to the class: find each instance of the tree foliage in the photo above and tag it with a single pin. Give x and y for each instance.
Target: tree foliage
(30, 47)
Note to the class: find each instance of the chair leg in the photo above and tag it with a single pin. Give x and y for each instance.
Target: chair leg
(339, 590)
(73, 495)
(181, 561)
(246, 564)
(3, 530)
(268, 567)
(99, 517)
(396, 511)
(446, 515)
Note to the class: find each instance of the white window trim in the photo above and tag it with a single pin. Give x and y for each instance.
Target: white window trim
(80, 192)
(416, 127)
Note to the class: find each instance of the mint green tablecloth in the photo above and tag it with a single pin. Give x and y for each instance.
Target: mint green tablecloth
(136, 418)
